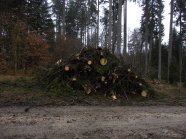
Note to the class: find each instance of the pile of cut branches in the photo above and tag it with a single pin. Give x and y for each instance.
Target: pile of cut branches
(96, 70)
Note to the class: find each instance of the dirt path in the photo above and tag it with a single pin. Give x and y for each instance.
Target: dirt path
(93, 122)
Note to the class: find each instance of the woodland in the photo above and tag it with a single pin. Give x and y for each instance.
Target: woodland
(37, 35)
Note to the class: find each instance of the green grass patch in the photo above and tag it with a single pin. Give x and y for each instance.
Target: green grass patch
(28, 88)
(23, 84)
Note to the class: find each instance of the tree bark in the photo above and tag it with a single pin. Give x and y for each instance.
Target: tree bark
(119, 27)
(63, 18)
(170, 40)
(114, 35)
(159, 56)
(98, 26)
(180, 50)
(58, 26)
(15, 59)
(110, 25)
(88, 22)
(125, 28)
(150, 51)
(146, 38)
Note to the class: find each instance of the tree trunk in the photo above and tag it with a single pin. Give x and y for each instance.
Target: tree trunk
(114, 27)
(63, 18)
(98, 26)
(14, 44)
(85, 35)
(146, 39)
(159, 52)
(180, 50)
(146, 57)
(81, 34)
(91, 35)
(125, 28)
(58, 26)
(88, 23)
(15, 59)
(114, 38)
(150, 51)
(170, 40)
(119, 27)
(110, 25)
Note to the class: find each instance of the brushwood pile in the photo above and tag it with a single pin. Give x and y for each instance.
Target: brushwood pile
(96, 71)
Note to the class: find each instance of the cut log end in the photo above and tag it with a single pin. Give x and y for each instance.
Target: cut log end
(101, 53)
(102, 78)
(129, 70)
(88, 91)
(140, 84)
(114, 96)
(66, 68)
(144, 93)
(74, 79)
(89, 62)
(103, 61)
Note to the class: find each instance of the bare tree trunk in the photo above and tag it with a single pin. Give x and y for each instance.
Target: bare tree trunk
(146, 40)
(58, 26)
(159, 57)
(88, 36)
(81, 35)
(180, 51)
(88, 23)
(170, 40)
(184, 62)
(150, 51)
(85, 35)
(119, 27)
(110, 25)
(91, 35)
(114, 29)
(98, 26)
(63, 18)
(146, 57)
(114, 38)
(15, 59)
(125, 28)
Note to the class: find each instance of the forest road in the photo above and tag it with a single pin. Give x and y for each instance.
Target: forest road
(93, 122)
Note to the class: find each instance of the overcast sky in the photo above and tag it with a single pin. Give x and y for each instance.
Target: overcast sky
(134, 17)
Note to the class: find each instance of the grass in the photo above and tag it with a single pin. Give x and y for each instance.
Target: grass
(167, 92)
(26, 90)
(25, 83)
(19, 89)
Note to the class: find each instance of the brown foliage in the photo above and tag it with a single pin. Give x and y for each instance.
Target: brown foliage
(12, 38)
(36, 52)
(22, 50)
(66, 47)
(3, 64)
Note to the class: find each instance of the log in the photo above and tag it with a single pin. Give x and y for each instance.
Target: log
(96, 70)
(103, 61)
(66, 68)
(144, 93)
(89, 62)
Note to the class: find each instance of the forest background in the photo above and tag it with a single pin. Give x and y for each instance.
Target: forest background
(35, 34)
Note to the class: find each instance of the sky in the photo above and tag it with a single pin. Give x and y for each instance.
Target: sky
(134, 17)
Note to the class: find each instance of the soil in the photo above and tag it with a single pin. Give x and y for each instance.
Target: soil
(27, 112)
(93, 122)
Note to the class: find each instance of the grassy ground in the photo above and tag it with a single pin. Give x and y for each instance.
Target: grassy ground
(169, 93)
(24, 90)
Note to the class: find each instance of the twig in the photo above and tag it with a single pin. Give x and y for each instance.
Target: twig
(125, 95)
